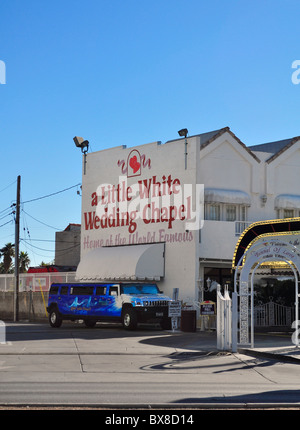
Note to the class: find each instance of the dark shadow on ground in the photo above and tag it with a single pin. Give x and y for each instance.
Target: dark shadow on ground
(279, 396)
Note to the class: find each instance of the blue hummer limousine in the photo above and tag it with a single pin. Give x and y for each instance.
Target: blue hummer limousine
(126, 302)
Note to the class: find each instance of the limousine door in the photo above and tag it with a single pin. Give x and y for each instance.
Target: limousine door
(81, 300)
(114, 302)
(100, 301)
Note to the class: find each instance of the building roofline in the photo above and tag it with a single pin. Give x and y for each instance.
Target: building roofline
(71, 224)
(282, 150)
(227, 130)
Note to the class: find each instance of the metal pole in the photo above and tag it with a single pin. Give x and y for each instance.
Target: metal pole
(17, 240)
(185, 154)
(234, 322)
(296, 305)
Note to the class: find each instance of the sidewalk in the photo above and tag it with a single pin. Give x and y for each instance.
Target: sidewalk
(271, 345)
(277, 346)
(38, 338)
(23, 338)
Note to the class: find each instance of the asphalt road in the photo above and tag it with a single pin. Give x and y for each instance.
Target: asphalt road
(109, 367)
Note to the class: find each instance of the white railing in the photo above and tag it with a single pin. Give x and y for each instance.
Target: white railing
(273, 314)
(240, 226)
(35, 281)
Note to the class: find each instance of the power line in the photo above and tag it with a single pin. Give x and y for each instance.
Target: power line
(41, 222)
(9, 208)
(37, 198)
(49, 250)
(8, 186)
(2, 225)
(27, 233)
(49, 240)
(52, 194)
(4, 216)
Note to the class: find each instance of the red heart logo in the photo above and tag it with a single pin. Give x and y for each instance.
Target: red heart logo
(134, 164)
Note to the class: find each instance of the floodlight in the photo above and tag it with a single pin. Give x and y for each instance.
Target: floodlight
(183, 132)
(81, 143)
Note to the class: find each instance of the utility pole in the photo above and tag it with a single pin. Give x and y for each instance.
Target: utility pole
(17, 240)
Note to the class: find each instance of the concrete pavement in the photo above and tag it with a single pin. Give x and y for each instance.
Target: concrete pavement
(38, 338)
(277, 346)
(41, 365)
(33, 338)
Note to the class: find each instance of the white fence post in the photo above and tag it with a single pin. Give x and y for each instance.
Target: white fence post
(224, 321)
(2, 332)
(220, 318)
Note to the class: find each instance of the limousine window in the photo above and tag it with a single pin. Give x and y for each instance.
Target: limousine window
(140, 289)
(100, 291)
(53, 289)
(113, 291)
(64, 290)
(82, 291)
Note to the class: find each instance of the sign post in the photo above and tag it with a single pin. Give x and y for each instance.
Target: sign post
(174, 313)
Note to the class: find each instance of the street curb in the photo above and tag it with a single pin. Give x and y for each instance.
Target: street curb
(269, 355)
(137, 408)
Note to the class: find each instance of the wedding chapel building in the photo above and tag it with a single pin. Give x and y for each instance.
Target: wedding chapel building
(173, 212)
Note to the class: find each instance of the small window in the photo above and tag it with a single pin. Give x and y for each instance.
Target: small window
(53, 289)
(82, 291)
(230, 213)
(100, 291)
(64, 290)
(243, 213)
(213, 212)
(113, 291)
(288, 213)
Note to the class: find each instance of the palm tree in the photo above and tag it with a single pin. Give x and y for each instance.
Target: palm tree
(7, 252)
(24, 261)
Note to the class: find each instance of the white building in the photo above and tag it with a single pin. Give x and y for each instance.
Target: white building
(124, 235)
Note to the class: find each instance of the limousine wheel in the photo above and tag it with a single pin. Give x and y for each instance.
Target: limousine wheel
(54, 318)
(129, 319)
(90, 323)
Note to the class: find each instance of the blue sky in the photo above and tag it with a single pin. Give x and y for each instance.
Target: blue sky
(129, 72)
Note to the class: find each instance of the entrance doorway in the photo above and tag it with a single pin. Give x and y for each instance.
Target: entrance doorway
(220, 275)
